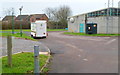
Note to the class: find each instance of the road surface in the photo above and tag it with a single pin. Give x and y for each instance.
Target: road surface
(20, 45)
(82, 54)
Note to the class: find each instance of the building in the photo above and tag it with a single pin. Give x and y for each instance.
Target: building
(21, 17)
(105, 19)
(7, 22)
(119, 17)
(8, 18)
(35, 17)
(24, 20)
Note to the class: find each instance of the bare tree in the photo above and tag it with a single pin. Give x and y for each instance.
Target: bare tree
(62, 14)
(51, 12)
(8, 11)
(59, 14)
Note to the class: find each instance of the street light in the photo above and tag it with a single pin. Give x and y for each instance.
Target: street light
(12, 21)
(20, 21)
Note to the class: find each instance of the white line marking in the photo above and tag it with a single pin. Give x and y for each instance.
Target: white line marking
(79, 55)
(110, 41)
(85, 59)
(70, 45)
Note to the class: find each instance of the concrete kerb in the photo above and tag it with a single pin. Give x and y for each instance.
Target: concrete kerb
(48, 60)
(45, 53)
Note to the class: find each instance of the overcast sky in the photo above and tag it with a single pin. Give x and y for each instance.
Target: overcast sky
(38, 6)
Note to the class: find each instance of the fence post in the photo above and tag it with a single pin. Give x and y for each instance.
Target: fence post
(36, 60)
(9, 50)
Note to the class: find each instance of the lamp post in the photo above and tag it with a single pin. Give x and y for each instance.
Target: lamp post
(20, 21)
(12, 21)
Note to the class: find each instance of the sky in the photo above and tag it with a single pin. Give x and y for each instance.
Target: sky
(38, 6)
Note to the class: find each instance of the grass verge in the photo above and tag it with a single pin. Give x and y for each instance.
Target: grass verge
(83, 34)
(22, 63)
(24, 36)
(28, 30)
(17, 30)
(56, 30)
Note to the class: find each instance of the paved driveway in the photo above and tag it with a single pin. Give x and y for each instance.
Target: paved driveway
(82, 54)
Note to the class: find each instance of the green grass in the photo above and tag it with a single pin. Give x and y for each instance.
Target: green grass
(43, 59)
(17, 30)
(83, 34)
(28, 30)
(0, 66)
(56, 30)
(24, 36)
(22, 63)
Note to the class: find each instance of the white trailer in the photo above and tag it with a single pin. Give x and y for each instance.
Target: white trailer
(39, 28)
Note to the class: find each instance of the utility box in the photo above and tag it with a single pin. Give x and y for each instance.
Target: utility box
(91, 28)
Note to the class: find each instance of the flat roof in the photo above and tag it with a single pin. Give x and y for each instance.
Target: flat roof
(93, 11)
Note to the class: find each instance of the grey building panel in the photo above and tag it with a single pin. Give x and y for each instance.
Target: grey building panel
(104, 24)
(75, 27)
(118, 24)
(100, 23)
(119, 19)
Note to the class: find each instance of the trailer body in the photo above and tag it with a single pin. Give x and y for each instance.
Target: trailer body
(39, 28)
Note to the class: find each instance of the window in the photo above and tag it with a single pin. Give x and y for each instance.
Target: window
(37, 18)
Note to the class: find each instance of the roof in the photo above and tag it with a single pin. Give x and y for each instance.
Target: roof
(20, 17)
(6, 18)
(39, 15)
(93, 11)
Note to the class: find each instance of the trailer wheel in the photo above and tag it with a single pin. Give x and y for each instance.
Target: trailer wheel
(31, 35)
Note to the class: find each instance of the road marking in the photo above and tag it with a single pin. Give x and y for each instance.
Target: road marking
(81, 50)
(70, 45)
(79, 55)
(85, 59)
(110, 41)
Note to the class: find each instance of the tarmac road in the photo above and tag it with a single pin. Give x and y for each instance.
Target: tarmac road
(82, 54)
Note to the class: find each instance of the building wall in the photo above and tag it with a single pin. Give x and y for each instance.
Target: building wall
(75, 27)
(119, 18)
(102, 26)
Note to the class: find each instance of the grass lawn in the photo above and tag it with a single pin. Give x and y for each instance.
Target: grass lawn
(22, 63)
(28, 30)
(56, 30)
(83, 34)
(17, 30)
(17, 35)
